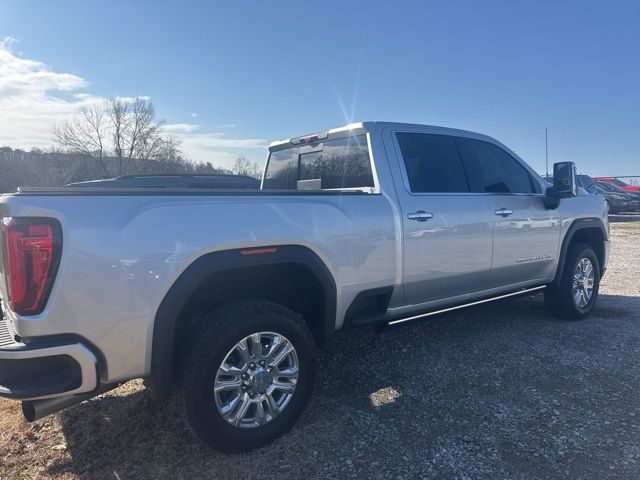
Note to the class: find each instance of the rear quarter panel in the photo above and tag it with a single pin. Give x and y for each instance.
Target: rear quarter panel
(121, 254)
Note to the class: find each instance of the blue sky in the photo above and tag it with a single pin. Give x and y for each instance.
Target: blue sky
(232, 76)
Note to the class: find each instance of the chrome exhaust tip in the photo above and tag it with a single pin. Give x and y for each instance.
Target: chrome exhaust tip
(33, 410)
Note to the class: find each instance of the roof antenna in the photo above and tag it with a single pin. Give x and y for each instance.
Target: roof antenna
(546, 150)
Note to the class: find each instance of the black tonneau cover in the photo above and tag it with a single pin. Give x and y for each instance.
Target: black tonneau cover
(204, 181)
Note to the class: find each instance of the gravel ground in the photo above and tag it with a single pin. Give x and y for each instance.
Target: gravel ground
(498, 391)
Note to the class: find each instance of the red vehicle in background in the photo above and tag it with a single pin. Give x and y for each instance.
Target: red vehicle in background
(618, 183)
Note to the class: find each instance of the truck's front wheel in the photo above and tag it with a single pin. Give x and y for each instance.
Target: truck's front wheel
(574, 296)
(249, 375)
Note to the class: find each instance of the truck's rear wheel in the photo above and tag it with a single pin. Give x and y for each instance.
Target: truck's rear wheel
(574, 296)
(248, 375)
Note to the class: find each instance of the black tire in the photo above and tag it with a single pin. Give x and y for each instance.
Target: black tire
(559, 297)
(219, 333)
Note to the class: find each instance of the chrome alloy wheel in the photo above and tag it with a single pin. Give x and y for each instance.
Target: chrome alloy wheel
(256, 379)
(583, 282)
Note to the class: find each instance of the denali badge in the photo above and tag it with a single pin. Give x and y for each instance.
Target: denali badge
(533, 259)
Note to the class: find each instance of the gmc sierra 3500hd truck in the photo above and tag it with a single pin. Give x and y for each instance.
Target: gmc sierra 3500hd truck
(225, 297)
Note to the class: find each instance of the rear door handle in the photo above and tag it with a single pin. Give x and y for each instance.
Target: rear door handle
(420, 216)
(503, 212)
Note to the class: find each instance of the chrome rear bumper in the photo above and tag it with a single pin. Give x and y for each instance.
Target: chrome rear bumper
(45, 369)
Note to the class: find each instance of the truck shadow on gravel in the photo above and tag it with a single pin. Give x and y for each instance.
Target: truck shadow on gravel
(502, 390)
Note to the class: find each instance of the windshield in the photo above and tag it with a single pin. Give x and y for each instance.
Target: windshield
(609, 187)
(587, 183)
(619, 183)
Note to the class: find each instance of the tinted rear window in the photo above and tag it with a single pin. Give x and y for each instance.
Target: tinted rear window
(335, 164)
(432, 163)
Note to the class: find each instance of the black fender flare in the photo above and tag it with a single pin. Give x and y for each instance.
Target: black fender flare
(168, 313)
(576, 225)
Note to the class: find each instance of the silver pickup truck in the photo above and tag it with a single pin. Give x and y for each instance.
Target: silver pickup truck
(225, 297)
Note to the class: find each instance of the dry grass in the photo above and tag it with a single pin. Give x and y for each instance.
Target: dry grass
(41, 449)
(126, 433)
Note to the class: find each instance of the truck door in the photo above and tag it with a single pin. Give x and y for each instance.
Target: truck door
(526, 236)
(447, 238)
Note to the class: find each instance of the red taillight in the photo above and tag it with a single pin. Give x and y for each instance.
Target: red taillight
(31, 255)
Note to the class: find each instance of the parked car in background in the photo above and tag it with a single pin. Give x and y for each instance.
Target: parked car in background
(617, 199)
(618, 183)
(586, 182)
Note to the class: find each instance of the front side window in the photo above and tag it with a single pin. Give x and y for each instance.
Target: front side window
(432, 163)
(333, 164)
(492, 169)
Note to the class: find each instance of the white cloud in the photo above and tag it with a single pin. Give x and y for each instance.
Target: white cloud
(30, 101)
(181, 127)
(222, 150)
(6, 42)
(216, 147)
(33, 98)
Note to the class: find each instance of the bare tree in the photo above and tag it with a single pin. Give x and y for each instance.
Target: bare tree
(244, 166)
(126, 129)
(255, 171)
(161, 147)
(241, 166)
(85, 134)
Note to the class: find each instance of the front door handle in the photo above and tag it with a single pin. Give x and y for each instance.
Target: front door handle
(420, 216)
(503, 212)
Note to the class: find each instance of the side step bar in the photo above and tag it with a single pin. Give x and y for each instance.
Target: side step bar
(458, 307)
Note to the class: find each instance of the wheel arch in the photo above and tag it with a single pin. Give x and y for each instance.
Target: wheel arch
(590, 231)
(297, 278)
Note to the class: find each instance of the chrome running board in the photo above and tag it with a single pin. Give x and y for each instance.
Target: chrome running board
(457, 307)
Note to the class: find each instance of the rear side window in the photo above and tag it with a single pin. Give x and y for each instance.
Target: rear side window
(492, 169)
(333, 164)
(432, 163)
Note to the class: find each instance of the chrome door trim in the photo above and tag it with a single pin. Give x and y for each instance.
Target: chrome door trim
(464, 305)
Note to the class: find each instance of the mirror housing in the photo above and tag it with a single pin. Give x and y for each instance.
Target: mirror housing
(564, 184)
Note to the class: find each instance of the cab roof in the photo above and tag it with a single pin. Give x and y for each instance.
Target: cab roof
(363, 127)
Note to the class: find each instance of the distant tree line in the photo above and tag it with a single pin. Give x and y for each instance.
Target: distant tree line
(105, 140)
(51, 168)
